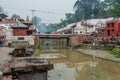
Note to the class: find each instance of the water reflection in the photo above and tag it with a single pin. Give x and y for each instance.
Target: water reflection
(70, 65)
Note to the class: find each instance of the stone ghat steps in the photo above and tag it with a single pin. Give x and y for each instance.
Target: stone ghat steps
(26, 65)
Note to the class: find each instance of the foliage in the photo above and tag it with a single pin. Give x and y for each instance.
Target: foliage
(104, 11)
(109, 8)
(86, 8)
(115, 11)
(115, 51)
(52, 27)
(40, 26)
(36, 21)
(1, 10)
(15, 16)
(70, 18)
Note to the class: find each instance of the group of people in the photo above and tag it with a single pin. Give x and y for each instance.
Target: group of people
(105, 42)
(96, 42)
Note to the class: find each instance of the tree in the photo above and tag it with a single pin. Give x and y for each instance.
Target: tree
(78, 10)
(36, 21)
(52, 27)
(70, 18)
(1, 10)
(86, 8)
(115, 11)
(40, 26)
(108, 8)
(104, 11)
(15, 16)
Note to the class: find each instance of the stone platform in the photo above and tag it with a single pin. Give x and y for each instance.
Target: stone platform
(26, 68)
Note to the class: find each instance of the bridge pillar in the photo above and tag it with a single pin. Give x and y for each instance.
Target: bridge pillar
(68, 42)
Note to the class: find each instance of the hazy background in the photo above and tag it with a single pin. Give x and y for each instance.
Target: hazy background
(50, 11)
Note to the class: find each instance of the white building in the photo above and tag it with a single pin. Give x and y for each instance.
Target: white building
(6, 31)
(67, 30)
(92, 24)
(79, 28)
(84, 27)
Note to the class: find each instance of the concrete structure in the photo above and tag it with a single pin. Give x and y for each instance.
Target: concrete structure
(26, 68)
(69, 29)
(5, 30)
(21, 41)
(15, 29)
(79, 29)
(92, 24)
(6, 33)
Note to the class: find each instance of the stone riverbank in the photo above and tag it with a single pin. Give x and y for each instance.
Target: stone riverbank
(99, 53)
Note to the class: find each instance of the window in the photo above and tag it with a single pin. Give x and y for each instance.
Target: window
(108, 32)
(119, 28)
(80, 32)
(20, 38)
(108, 25)
(112, 24)
(112, 30)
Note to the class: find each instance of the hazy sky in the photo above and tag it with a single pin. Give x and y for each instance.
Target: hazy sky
(48, 10)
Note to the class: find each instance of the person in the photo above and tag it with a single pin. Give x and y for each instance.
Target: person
(104, 43)
(93, 43)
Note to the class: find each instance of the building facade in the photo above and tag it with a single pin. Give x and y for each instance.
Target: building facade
(113, 28)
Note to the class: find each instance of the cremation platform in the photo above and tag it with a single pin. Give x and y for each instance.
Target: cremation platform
(26, 68)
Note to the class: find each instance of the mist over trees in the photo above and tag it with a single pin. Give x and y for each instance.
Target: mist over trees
(83, 9)
(1, 10)
(39, 25)
(89, 9)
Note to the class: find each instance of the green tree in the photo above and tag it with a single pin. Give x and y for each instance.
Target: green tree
(107, 8)
(70, 18)
(52, 27)
(1, 10)
(86, 8)
(36, 21)
(78, 10)
(104, 10)
(15, 16)
(39, 25)
(115, 11)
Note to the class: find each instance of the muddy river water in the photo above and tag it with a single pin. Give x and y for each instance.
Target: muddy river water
(71, 65)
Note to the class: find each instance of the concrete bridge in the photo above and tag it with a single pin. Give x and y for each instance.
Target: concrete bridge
(59, 37)
(53, 36)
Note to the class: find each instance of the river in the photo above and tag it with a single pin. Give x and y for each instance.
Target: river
(71, 65)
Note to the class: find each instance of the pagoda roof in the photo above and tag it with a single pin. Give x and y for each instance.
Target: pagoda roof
(3, 16)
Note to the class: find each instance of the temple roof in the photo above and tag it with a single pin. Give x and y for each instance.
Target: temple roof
(3, 16)
(19, 25)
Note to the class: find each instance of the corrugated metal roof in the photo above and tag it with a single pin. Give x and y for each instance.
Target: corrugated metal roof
(18, 24)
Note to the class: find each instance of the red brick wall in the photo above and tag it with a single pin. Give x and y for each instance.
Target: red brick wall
(19, 32)
(80, 38)
(77, 39)
(116, 28)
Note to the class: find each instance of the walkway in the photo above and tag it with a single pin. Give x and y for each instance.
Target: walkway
(99, 53)
(4, 51)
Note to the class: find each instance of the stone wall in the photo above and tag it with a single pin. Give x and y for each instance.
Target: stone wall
(78, 39)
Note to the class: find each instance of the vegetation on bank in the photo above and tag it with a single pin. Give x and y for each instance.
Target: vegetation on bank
(115, 52)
